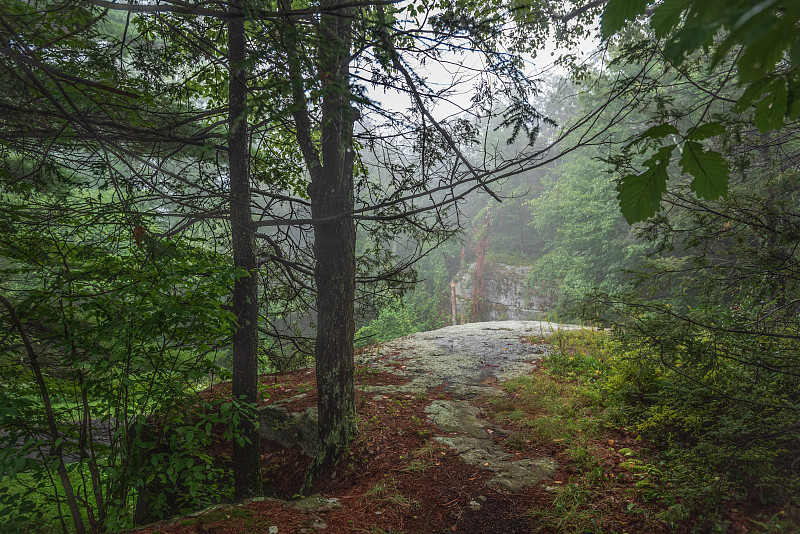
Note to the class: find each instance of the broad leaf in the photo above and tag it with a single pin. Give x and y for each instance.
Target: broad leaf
(710, 171)
(688, 39)
(751, 94)
(770, 111)
(661, 156)
(658, 131)
(794, 102)
(667, 15)
(618, 12)
(759, 58)
(704, 131)
(640, 195)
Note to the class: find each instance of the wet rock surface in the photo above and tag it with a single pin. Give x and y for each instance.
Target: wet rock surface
(465, 359)
(472, 438)
(468, 361)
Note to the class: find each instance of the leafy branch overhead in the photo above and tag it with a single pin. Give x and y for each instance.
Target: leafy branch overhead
(761, 41)
(640, 194)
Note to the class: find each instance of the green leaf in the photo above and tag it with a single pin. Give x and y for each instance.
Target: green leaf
(704, 131)
(710, 171)
(654, 132)
(752, 93)
(640, 195)
(770, 111)
(687, 40)
(759, 58)
(661, 156)
(666, 16)
(618, 12)
(794, 103)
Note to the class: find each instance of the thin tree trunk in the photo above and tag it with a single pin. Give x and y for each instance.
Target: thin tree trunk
(88, 439)
(331, 194)
(56, 448)
(246, 457)
(453, 303)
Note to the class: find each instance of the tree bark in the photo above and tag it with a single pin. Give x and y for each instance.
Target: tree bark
(246, 456)
(331, 192)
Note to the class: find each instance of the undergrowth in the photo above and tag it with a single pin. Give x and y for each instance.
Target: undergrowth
(642, 455)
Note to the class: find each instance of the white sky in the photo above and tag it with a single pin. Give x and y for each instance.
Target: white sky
(465, 68)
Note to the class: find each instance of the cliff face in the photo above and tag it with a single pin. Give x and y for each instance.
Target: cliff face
(507, 295)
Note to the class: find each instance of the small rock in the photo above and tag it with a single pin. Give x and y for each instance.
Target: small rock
(273, 530)
(316, 503)
(317, 523)
(474, 505)
(482, 497)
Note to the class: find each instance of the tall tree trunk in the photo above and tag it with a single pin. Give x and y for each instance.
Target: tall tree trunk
(246, 456)
(331, 194)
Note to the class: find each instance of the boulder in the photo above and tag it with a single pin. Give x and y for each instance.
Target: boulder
(289, 428)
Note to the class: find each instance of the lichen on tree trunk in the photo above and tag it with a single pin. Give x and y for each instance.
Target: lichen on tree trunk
(331, 192)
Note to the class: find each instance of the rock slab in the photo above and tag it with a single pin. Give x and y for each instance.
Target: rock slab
(465, 359)
(471, 438)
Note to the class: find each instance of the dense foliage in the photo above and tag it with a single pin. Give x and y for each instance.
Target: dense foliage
(701, 460)
(118, 244)
(112, 331)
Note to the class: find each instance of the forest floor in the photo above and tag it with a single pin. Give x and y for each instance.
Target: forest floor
(461, 430)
